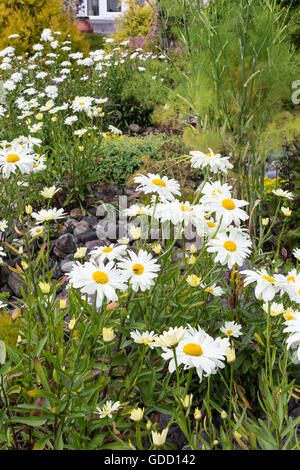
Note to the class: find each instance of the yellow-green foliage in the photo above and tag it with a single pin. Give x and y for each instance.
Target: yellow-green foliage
(28, 18)
(135, 22)
(9, 329)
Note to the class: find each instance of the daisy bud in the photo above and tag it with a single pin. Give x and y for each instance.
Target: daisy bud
(123, 241)
(28, 209)
(158, 438)
(230, 354)
(45, 287)
(80, 148)
(286, 211)
(62, 304)
(19, 339)
(54, 119)
(24, 265)
(48, 193)
(193, 280)
(193, 250)
(80, 253)
(148, 425)
(187, 401)
(135, 232)
(72, 324)
(39, 116)
(265, 221)
(192, 260)
(137, 415)
(157, 249)
(108, 335)
(223, 414)
(197, 414)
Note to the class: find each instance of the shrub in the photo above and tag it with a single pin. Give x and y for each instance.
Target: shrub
(28, 18)
(139, 24)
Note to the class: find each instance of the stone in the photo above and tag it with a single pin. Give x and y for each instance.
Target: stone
(272, 174)
(76, 214)
(88, 236)
(91, 220)
(15, 284)
(66, 244)
(70, 224)
(66, 266)
(81, 228)
(134, 129)
(91, 245)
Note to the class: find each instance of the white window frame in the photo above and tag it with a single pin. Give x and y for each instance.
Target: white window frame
(104, 14)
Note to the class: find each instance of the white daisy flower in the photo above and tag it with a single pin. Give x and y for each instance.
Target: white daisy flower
(171, 337)
(215, 161)
(136, 210)
(293, 340)
(231, 328)
(82, 103)
(46, 215)
(36, 231)
(110, 253)
(108, 408)
(296, 253)
(227, 208)
(13, 158)
(230, 248)
(198, 349)
(147, 338)
(3, 225)
(100, 280)
(282, 193)
(275, 309)
(140, 269)
(266, 286)
(165, 188)
(215, 290)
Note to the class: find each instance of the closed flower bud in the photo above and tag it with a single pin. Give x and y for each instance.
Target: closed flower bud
(62, 304)
(72, 324)
(187, 401)
(224, 414)
(158, 438)
(28, 209)
(230, 354)
(265, 221)
(108, 335)
(197, 414)
(45, 287)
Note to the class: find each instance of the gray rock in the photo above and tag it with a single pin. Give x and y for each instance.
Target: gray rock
(81, 228)
(65, 244)
(91, 245)
(91, 220)
(272, 174)
(134, 129)
(15, 284)
(66, 266)
(76, 214)
(88, 236)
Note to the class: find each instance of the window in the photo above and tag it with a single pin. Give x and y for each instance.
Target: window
(114, 6)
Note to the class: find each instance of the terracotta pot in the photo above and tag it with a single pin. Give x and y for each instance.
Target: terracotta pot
(84, 25)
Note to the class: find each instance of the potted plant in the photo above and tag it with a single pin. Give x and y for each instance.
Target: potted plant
(83, 21)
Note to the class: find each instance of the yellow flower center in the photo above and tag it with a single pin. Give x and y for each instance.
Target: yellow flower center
(108, 249)
(228, 204)
(269, 279)
(288, 316)
(138, 269)
(100, 277)
(209, 289)
(291, 278)
(140, 212)
(192, 349)
(12, 158)
(230, 246)
(185, 209)
(146, 340)
(210, 224)
(209, 154)
(159, 182)
(38, 230)
(82, 103)
(229, 332)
